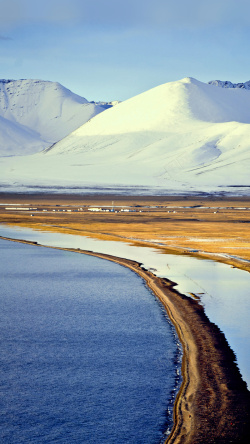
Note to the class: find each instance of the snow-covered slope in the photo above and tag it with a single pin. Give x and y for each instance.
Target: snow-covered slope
(178, 137)
(34, 114)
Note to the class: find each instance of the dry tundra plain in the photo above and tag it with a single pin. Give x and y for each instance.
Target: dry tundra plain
(210, 227)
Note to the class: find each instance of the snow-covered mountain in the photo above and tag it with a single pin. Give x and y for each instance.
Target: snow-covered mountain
(180, 137)
(34, 114)
(227, 84)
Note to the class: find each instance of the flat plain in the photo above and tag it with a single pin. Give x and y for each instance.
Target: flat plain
(210, 227)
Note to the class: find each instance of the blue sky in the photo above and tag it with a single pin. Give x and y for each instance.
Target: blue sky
(113, 49)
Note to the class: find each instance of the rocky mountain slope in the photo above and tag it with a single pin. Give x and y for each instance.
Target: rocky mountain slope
(227, 84)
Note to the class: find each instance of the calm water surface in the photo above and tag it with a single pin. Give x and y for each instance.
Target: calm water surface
(87, 352)
(224, 291)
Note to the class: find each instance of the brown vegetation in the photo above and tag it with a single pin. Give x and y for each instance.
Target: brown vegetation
(203, 227)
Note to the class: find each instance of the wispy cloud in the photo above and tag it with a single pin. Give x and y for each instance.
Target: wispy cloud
(3, 37)
(139, 13)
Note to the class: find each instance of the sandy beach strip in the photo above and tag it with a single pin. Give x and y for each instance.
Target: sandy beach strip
(213, 404)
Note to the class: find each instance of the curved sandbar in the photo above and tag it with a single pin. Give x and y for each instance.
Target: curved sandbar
(213, 404)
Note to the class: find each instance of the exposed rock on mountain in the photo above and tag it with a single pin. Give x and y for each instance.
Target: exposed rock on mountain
(227, 84)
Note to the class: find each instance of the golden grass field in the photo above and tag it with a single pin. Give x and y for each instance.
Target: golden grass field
(198, 226)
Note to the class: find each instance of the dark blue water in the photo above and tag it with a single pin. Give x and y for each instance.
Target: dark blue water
(87, 353)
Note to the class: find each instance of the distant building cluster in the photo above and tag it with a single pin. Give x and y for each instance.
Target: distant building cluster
(20, 208)
(110, 210)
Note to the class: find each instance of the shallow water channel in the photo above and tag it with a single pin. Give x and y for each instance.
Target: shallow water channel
(224, 291)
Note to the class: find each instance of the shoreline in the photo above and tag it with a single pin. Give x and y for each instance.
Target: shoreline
(213, 403)
(206, 227)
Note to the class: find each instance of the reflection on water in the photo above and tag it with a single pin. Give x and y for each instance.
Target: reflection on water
(224, 291)
(86, 351)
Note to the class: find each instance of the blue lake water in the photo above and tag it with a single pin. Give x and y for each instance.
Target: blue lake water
(87, 352)
(224, 291)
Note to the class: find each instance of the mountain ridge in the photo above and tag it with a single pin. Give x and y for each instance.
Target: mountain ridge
(183, 136)
(41, 112)
(228, 84)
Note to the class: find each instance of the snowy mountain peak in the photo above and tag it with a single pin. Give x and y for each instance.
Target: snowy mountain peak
(34, 114)
(189, 80)
(36, 87)
(227, 84)
(177, 137)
